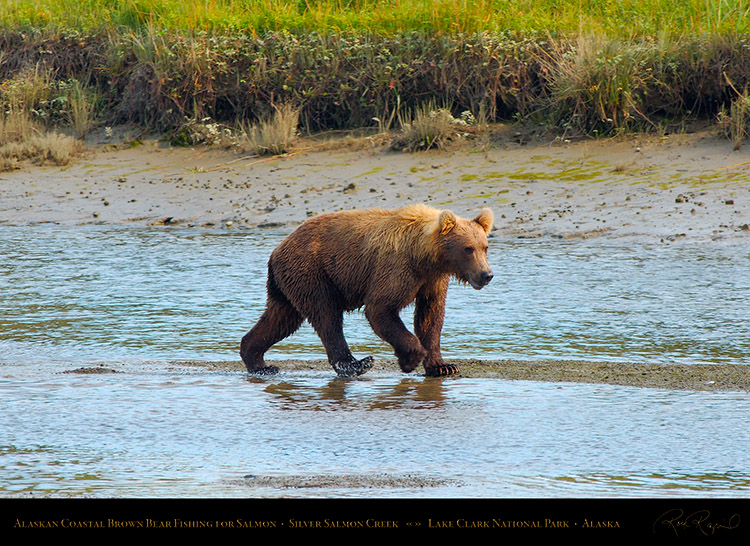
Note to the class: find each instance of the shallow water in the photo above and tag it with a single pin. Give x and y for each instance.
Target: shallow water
(171, 432)
(136, 299)
(103, 293)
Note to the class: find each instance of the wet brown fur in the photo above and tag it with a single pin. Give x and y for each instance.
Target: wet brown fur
(381, 260)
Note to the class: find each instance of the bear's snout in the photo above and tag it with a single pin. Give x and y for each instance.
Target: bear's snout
(482, 280)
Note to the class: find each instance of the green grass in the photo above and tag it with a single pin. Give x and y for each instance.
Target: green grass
(622, 18)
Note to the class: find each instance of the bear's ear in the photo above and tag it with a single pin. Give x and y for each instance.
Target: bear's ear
(485, 219)
(446, 222)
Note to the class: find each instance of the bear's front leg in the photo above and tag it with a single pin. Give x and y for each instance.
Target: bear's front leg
(388, 326)
(429, 312)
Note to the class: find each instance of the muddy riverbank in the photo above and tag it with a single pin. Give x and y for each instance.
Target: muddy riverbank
(686, 187)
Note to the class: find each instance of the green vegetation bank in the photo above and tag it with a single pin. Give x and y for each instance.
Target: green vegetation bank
(586, 67)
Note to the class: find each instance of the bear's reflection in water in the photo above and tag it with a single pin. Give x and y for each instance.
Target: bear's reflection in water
(339, 393)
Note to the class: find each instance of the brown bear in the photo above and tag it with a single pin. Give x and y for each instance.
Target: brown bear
(381, 260)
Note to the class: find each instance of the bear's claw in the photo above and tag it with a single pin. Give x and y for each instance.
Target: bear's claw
(441, 371)
(354, 368)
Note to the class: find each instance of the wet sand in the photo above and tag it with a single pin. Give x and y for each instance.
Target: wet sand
(688, 187)
(697, 377)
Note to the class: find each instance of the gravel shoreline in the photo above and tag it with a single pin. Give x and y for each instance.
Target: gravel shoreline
(696, 377)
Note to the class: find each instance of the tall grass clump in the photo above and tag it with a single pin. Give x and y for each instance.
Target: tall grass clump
(740, 119)
(15, 129)
(734, 121)
(81, 108)
(36, 91)
(30, 91)
(273, 135)
(427, 126)
(599, 85)
(22, 139)
(54, 148)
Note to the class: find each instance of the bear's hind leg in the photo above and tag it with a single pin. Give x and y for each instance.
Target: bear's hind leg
(329, 326)
(278, 321)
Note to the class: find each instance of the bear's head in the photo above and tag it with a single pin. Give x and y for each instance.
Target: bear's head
(463, 246)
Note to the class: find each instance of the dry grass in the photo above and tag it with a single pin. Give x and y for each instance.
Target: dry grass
(32, 101)
(22, 139)
(275, 134)
(51, 148)
(55, 148)
(16, 127)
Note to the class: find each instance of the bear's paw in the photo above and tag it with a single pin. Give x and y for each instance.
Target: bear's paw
(265, 370)
(353, 368)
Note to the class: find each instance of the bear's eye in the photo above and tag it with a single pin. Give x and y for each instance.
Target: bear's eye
(469, 250)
